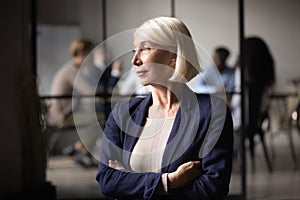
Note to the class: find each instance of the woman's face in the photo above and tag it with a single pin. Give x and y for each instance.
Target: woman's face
(152, 63)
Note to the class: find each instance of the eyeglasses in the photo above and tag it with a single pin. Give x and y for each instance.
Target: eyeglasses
(146, 49)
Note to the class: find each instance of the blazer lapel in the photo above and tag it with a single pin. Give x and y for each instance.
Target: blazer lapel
(134, 127)
(184, 130)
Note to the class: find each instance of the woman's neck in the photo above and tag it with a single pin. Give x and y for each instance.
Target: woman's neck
(165, 101)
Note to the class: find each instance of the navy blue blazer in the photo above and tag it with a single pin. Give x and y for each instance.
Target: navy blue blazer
(202, 130)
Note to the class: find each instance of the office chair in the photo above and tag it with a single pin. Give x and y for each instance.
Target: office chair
(258, 113)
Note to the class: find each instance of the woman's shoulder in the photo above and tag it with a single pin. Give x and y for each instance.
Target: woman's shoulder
(205, 98)
(211, 101)
(210, 97)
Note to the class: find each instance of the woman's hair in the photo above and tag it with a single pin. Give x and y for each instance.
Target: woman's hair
(259, 62)
(172, 34)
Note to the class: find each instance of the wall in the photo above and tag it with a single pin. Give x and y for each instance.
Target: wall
(128, 14)
(84, 13)
(90, 19)
(212, 23)
(58, 12)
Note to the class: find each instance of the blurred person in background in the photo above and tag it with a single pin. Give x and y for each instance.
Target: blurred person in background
(60, 110)
(259, 77)
(63, 83)
(209, 81)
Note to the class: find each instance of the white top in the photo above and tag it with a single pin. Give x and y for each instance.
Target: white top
(148, 152)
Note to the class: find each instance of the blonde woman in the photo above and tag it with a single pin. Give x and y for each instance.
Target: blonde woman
(174, 143)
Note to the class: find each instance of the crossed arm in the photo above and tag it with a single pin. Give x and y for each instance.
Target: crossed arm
(184, 174)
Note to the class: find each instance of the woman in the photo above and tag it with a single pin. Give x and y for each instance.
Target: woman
(260, 80)
(172, 144)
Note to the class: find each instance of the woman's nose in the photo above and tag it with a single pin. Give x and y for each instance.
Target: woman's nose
(136, 59)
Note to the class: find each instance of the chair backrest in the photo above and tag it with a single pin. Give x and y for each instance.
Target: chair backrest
(258, 107)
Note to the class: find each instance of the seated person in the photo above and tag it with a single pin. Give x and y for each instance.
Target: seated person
(60, 110)
(209, 80)
(63, 83)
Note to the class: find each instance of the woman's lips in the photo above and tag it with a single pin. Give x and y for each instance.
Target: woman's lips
(141, 73)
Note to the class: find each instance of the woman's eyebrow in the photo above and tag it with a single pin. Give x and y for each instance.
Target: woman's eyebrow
(138, 44)
(145, 42)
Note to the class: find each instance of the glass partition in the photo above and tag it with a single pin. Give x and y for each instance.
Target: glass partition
(212, 23)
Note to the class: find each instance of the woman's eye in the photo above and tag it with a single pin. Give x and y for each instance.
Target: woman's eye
(142, 50)
(146, 48)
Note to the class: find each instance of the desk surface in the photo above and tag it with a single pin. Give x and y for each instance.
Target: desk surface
(283, 94)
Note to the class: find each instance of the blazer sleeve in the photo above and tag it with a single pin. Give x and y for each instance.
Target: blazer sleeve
(121, 184)
(216, 169)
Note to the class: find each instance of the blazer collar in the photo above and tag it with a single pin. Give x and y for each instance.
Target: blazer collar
(188, 102)
(184, 122)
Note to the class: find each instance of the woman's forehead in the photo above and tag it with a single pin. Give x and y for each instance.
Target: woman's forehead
(137, 43)
(144, 39)
(139, 39)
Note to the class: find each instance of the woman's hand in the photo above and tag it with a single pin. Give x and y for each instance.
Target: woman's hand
(184, 174)
(115, 164)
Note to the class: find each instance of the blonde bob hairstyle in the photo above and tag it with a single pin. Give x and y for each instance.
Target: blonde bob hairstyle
(172, 34)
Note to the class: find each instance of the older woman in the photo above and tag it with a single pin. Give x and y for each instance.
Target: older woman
(174, 143)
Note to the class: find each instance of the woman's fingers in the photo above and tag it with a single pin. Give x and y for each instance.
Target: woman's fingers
(115, 164)
(191, 164)
(185, 174)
